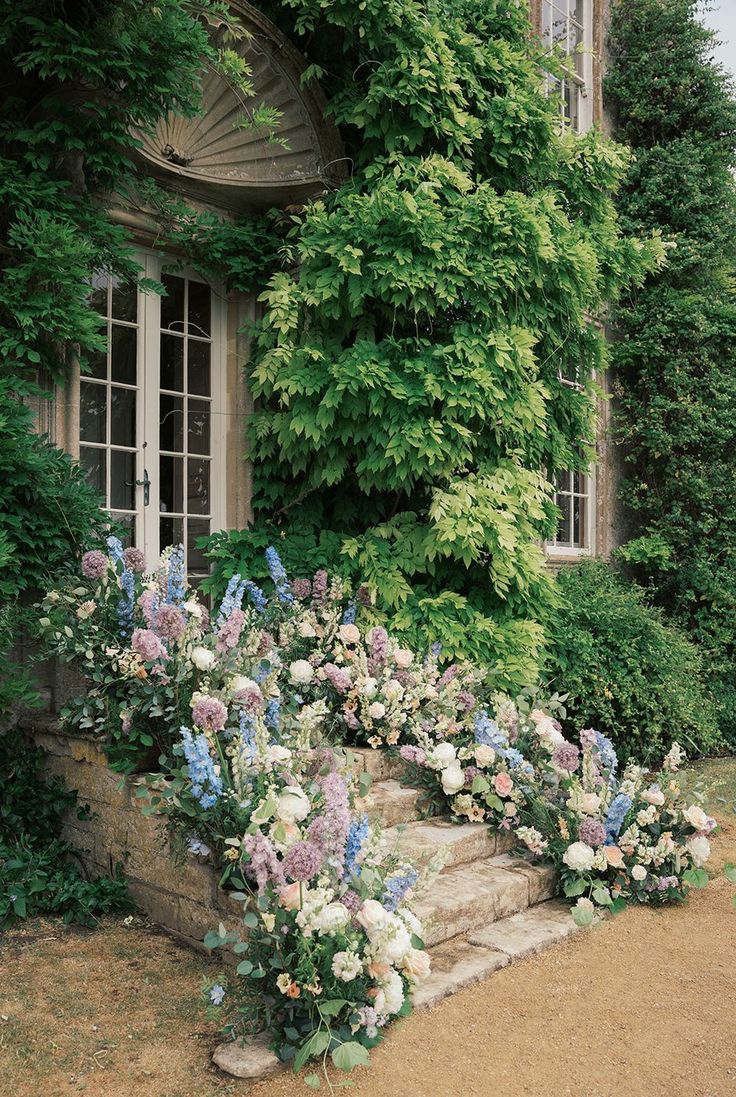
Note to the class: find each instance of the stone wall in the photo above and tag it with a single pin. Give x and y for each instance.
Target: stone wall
(183, 899)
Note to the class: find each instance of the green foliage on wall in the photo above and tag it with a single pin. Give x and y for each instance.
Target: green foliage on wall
(626, 670)
(675, 365)
(408, 370)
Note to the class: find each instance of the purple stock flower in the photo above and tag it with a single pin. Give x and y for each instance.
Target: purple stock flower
(148, 645)
(303, 861)
(319, 585)
(330, 829)
(593, 832)
(94, 564)
(465, 700)
(229, 631)
(339, 677)
(264, 864)
(413, 754)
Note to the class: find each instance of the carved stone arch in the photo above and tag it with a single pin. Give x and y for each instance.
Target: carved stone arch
(211, 159)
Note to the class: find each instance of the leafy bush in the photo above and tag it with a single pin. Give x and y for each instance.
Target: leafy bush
(674, 362)
(39, 873)
(624, 670)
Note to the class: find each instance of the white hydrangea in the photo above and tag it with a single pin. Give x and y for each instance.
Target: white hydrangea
(346, 965)
(301, 672)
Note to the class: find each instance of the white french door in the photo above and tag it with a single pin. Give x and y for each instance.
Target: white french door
(151, 410)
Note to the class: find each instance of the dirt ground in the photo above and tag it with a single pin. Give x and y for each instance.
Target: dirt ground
(642, 1006)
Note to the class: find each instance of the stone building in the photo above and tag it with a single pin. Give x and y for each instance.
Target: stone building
(159, 423)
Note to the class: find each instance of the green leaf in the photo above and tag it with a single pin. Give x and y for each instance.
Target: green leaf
(696, 877)
(350, 1055)
(582, 917)
(332, 1006)
(313, 1081)
(317, 1043)
(573, 888)
(245, 967)
(729, 871)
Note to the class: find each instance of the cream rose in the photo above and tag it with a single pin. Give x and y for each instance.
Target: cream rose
(653, 795)
(349, 634)
(403, 658)
(579, 857)
(696, 817)
(306, 629)
(293, 805)
(444, 754)
(277, 754)
(377, 711)
(372, 916)
(202, 658)
(453, 779)
(639, 873)
(699, 849)
(484, 756)
(301, 672)
(416, 964)
(590, 803)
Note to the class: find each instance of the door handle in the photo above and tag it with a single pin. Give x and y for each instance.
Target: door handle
(145, 483)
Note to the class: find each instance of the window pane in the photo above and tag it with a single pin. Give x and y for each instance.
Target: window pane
(198, 437)
(171, 486)
(95, 467)
(198, 486)
(127, 521)
(171, 435)
(92, 412)
(98, 296)
(171, 532)
(124, 301)
(124, 354)
(172, 305)
(198, 368)
(197, 563)
(563, 530)
(199, 308)
(122, 416)
(122, 475)
(578, 522)
(172, 362)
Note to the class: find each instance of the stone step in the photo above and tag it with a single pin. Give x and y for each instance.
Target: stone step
(470, 896)
(380, 764)
(460, 843)
(390, 804)
(466, 960)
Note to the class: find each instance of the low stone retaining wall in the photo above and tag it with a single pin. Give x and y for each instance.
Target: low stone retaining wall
(182, 898)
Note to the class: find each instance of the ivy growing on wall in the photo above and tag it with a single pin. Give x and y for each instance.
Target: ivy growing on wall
(675, 359)
(408, 367)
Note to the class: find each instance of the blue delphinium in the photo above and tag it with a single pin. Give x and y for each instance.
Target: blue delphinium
(607, 751)
(232, 599)
(397, 887)
(488, 733)
(206, 783)
(272, 714)
(436, 649)
(279, 576)
(256, 595)
(616, 815)
(348, 617)
(115, 548)
(247, 736)
(176, 576)
(126, 604)
(357, 834)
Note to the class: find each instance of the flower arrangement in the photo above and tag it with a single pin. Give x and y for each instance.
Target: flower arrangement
(333, 950)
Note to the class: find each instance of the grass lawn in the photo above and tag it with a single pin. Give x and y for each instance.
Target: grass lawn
(642, 1006)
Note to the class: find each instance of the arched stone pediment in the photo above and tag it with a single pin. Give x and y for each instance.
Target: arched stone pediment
(213, 159)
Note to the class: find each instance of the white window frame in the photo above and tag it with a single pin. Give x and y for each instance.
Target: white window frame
(148, 387)
(580, 75)
(558, 550)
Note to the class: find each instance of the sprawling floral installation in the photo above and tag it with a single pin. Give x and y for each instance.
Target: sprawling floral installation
(252, 712)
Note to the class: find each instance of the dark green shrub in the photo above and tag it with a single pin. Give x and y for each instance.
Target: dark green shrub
(627, 672)
(39, 873)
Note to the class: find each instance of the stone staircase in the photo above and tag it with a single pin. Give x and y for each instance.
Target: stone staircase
(486, 908)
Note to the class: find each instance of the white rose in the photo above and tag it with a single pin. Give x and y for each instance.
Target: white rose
(444, 754)
(639, 873)
(349, 634)
(239, 682)
(416, 964)
(653, 796)
(377, 711)
(393, 993)
(699, 849)
(369, 687)
(549, 734)
(372, 916)
(590, 803)
(394, 941)
(696, 817)
(453, 779)
(293, 805)
(277, 755)
(484, 756)
(193, 608)
(331, 918)
(403, 658)
(301, 672)
(579, 857)
(202, 658)
(306, 629)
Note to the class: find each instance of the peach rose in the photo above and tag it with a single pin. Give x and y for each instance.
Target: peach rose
(289, 897)
(377, 970)
(416, 964)
(372, 916)
(614, 856)
(349, 634)
(503, 784)
(403, 658)
(293, 991)
(590, 803)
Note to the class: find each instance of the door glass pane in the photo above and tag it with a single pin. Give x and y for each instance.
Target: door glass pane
(172, 362)
(171, 532)
(198, 368)
(127, 521)
(125, 301)
(198, 486)
(199, 308)
(198, 440)
(172, 305)
(94, 464)
(124, 354)
(171, 489)
(98, 296)
(92, 412)
(172, 423)
(122, 475)
(196, 559)
(122, 416)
